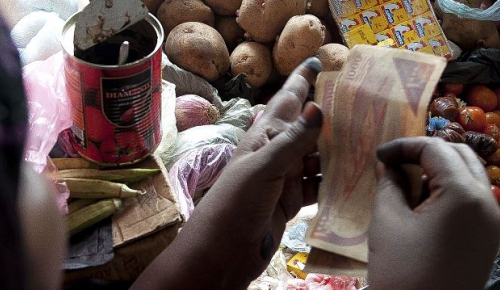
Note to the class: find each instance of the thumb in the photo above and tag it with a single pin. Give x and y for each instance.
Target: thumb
(297, 140)
(390, 200)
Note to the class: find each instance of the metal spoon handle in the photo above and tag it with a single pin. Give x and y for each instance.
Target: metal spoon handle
(123, 53)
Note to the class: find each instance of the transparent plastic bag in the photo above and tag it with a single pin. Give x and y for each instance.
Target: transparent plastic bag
(197, 170)
(237, 112)
(492, 13)
(199, 136)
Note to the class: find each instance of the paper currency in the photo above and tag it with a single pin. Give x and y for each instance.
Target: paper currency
(380, 94)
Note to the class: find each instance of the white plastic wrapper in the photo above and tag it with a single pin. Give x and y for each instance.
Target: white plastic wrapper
(492, 13)
(199, 136)
(197, 170)
(28, 27)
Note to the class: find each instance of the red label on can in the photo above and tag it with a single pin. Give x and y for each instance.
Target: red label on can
(116, 110)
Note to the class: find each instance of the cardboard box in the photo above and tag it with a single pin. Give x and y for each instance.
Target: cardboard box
(379, 17)
(141, 230)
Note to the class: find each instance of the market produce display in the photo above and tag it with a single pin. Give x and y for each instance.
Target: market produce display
(96, 193)
(263, 41)
(470, 114)
(256, 44)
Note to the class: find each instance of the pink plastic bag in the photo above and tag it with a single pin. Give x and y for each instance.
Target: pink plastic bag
(48, 106)
(196, 170)
(49, 114)
(322, 282)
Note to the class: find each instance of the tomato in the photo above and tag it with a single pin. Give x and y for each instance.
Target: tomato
(494, 159)
(472, 118)
(123, 147)
(457, 89)
(494, 174)
(482, 97)
(496, 192)
(493, 118)
(497, 92)
(100, 128)
(492, 130)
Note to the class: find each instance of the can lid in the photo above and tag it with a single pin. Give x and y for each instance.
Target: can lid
(101, 19)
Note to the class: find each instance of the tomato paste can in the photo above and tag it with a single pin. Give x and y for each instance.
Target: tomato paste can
(116, 109)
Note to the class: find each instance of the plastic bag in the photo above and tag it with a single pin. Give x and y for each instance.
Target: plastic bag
(199, 136)
(237, 112)
(168, 127)
(480, 66)
(322, 282)
(492, 13)
(48, 106)
(197, 170)
(493, 282)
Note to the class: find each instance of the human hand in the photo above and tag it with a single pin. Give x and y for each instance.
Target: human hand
(237, 226)
(449, 241)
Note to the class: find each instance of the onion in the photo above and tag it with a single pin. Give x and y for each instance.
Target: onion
(192, 110)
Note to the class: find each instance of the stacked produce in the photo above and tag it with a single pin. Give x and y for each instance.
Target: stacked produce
(264, 41)
(96, 193)
(470, 114)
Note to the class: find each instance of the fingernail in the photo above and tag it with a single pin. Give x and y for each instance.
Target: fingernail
(312, 115)
(314, 64)
(266, 247)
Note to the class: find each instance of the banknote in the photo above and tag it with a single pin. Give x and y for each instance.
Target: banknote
(379, 95)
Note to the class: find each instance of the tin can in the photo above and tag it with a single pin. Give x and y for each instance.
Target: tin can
(116, 109)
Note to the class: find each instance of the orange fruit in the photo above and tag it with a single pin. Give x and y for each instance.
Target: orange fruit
(492, 130)
(494, 159)
(457, 89)
(482, 97)
(493, 118)
(497, 92)
(494, 174)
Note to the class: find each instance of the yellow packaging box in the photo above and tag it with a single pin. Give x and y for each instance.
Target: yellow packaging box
(403, 24)
(350, 23)
(343, 8)
(297, 264)
(395, 12)
(375, 18)
(418, 7)
(440, 46)
(361, 35)
(365, 4)
(404, 33)
(385, 38)
(422, 45)
(426, 25)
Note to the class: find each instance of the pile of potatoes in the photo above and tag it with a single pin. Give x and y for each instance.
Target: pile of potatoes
(265, 40)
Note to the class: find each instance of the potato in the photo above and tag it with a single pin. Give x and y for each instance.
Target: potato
(224, 7)
(301, 38)
(198, 48)
(318, 8)
(468, 34)
(174, 12)
(264, 20)
(230, 31)
(254, 60)
(152, 5)
(332, 56)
